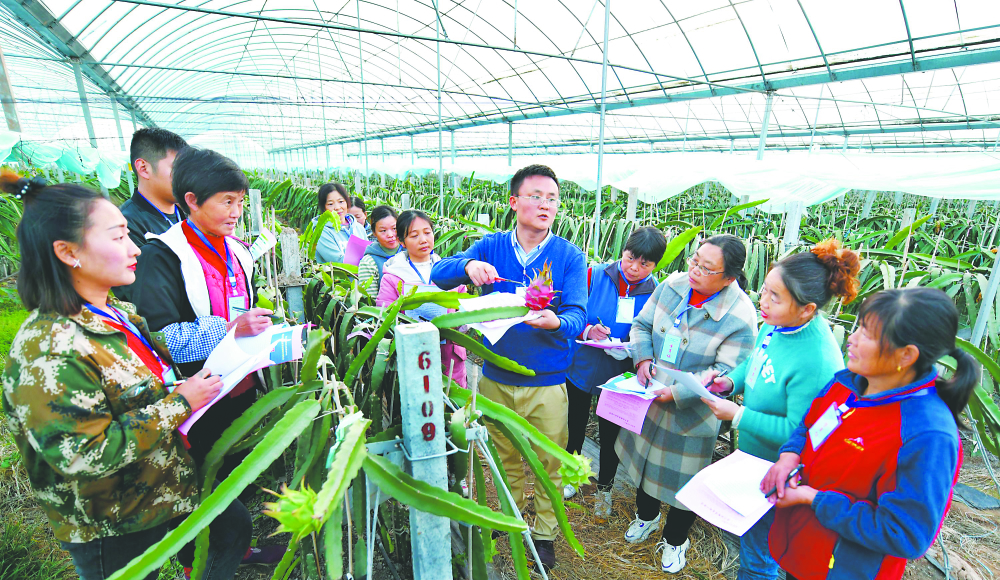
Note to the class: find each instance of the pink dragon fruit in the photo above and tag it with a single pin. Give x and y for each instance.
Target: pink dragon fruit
(540, 292)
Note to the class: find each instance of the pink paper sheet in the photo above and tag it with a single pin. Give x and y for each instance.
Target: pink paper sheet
(355, 250)
(697, 497)
(629, 411)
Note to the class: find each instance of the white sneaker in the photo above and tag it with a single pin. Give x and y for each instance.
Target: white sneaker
(674, 557)
(568, 491)
(639, 530)
(602, 506)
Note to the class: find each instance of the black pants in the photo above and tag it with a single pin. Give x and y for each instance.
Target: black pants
(578, 416)
(228, 540)
(207, 430)
(679, 521)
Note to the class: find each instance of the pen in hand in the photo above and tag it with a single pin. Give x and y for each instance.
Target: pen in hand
(791, 475)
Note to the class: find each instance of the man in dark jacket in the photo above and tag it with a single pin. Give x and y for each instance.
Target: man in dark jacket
(151, 208)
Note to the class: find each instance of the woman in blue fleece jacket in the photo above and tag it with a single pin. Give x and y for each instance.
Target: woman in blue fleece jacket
(617, 292)
(880, 446)
(792, 362)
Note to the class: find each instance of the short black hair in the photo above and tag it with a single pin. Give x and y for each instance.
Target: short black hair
(734, 256)
(405, 220)
(326, 189)
(647, 243)
(153, 144)
(358, 203)
(57, 212)
(524, 172)
(380, 213)
(205, 173)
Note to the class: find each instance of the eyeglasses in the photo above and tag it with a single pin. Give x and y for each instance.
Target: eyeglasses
(540, 201)
(702, 270)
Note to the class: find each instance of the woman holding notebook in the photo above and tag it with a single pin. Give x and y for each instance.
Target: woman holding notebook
(794, 357)
(695, 321)
(411, 269)
(880, 446)
(84, 393)
(616, 292)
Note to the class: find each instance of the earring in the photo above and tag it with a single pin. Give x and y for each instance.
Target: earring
(76, 263)
(898, 368)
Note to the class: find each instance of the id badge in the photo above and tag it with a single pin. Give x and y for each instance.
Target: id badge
(626, 310)
(237, 306)
(756, 364)
(824, 426)
(671, 346)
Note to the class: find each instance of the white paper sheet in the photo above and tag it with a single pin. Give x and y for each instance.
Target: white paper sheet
(235, 358)
(698, 497)
(690, 382)
(630, 386)
(494, 330)
(608, 343)
(262, 244)
(740, 489)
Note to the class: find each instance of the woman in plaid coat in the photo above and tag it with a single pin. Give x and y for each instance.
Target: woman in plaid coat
(696, 321)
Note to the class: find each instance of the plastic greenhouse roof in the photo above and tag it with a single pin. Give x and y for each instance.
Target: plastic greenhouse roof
(253, 78)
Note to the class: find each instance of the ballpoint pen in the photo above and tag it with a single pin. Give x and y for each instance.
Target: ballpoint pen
(791, 474)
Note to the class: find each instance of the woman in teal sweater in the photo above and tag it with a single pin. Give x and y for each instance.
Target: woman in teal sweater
(794, 357)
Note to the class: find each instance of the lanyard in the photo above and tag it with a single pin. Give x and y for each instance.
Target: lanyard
(780, 330)
(628, 287)
(228, 258)
(677, 321)
(414, 266)
(853, 401)
(169, 223)
(129, 327)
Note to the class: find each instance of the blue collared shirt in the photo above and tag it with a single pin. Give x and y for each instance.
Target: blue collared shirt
(524, 257)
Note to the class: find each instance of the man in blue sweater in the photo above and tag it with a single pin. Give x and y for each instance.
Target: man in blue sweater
(506, 262)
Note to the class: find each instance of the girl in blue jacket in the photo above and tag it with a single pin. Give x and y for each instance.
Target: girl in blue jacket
(616, 293)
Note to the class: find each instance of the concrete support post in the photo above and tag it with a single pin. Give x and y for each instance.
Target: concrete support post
(970, 210)
(633, 198)
(744, 199)
(421, 396)
(404, 201)
(897, 198)
(869, 199)
(793, 219)
(256, 213)
(909, 215)
(291, 268)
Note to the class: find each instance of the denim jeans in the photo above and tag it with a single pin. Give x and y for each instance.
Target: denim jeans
(229, 538)
(756, 562)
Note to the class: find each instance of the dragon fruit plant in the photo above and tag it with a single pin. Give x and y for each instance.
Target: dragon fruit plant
(540, 292)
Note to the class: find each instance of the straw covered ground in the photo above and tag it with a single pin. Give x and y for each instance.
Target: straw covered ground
(971, 537)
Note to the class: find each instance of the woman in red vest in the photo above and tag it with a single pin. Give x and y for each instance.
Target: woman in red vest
(879, 446)
(194, 283)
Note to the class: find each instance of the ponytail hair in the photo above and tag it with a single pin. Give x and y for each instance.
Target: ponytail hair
(734, 254)
(927, 319)
(826, 271)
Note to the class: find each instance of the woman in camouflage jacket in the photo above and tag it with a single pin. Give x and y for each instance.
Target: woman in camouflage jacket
(84, 395)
